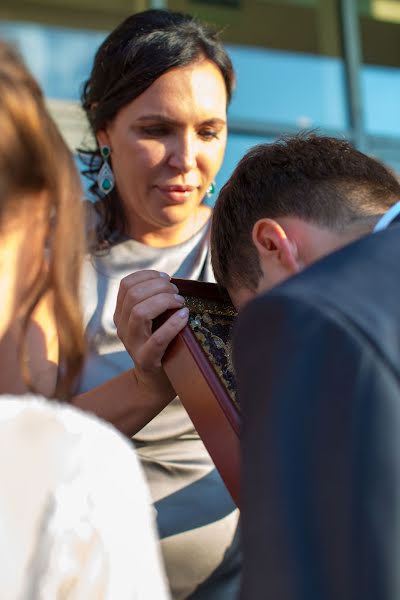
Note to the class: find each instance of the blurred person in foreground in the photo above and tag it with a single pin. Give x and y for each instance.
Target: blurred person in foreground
(75, 515)
(156, 101)
(317, 360)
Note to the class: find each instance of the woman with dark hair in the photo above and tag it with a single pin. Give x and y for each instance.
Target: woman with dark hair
(156, 100)
(72, 525)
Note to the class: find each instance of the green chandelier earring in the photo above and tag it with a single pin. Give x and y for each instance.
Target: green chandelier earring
(211, 189)
(105, 177)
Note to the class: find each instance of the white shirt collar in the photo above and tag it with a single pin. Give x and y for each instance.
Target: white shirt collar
(387, 217)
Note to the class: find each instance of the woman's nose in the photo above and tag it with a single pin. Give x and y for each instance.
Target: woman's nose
(183, 156)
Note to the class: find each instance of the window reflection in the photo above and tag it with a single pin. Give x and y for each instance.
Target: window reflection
(302, 90)
(380, 41)
(60, 58)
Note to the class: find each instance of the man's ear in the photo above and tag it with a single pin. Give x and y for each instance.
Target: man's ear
(274, 247)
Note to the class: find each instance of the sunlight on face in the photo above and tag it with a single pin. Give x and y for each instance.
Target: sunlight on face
(167, 146)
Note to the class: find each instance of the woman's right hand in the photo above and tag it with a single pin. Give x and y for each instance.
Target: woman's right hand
(142, 297)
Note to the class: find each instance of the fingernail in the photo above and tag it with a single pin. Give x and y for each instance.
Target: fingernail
(175, 288)
(165, 275)
(183, 312)
(179, 298)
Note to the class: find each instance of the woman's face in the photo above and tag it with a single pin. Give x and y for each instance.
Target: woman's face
(167, 145)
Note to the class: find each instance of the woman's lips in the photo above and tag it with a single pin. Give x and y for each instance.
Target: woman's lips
(176, 194)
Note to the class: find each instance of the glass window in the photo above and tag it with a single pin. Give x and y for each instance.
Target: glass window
(389, 157)
(60, 58)
(380, 41)
(288, 88)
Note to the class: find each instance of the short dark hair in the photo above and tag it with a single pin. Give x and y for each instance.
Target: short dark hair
(322, 180)
(141, 49)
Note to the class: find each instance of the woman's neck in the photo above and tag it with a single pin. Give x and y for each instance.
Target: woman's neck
(164, 237)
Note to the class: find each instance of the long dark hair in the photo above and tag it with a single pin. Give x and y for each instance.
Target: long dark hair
(34, 159)
(141, 49)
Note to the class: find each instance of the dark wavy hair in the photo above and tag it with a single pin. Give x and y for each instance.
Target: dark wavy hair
(141, 49)
(321, 180)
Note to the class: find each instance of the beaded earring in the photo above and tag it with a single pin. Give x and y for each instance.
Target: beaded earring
(105, 177)
(211, 189)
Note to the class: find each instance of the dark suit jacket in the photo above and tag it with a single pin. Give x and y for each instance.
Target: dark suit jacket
(318, 369)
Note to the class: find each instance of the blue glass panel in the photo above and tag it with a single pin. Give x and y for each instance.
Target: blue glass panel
(394, 165)
(59, 58)
(303, 90)
(381, 88)
(389, 159)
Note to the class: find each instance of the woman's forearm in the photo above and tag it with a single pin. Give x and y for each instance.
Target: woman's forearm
(135, 397)
(126, 401)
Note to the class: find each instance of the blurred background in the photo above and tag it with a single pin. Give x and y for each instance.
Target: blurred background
(329, 65)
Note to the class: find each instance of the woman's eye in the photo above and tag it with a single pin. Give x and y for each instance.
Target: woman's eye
(209, 134)
(155, 131)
